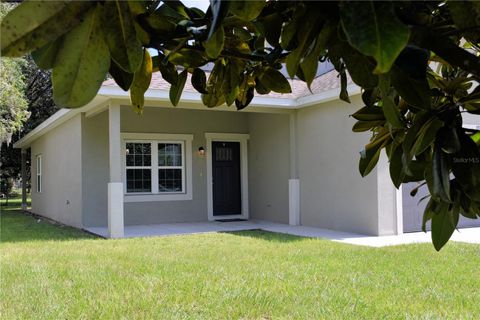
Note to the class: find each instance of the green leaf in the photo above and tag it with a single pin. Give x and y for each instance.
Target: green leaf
(309, 64)
(121, 35)
(359, 66)
(121, 77)
(177, 89)
(371, 153)
(361, 126)
(391, 112)
(199, 80)
(440, 175)
(428, 213)
(414, 92)
(374, 29)
(465, 15)
(426, 136)
(214, 45)
(466, 167)
(270, 27)
(444, 222)
(85, 62)
(231, 81)
(187, 58)
(246, 9)
(275, 81)
(245, 95)
(141, 82)
(47, 21)
(46, 56)
(219, 11)
(168, 71)
(397, 173)
(369, 114)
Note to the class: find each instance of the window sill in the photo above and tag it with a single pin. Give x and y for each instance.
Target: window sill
(157, 197)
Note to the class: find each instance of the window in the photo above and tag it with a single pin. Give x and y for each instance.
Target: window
(139, 167)
(157, 167)
(170, 167)
(39, 172)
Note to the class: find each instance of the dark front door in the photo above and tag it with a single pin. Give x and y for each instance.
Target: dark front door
(226, 178)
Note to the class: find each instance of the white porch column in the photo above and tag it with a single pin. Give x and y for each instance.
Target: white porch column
(24, 179)
(115, 186)
(293, 182)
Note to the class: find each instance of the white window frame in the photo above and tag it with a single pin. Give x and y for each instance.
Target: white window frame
(155, 138)
(38, 167)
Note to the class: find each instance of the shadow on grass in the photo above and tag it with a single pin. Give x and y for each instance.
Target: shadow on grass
(17, 226)
(266, 235)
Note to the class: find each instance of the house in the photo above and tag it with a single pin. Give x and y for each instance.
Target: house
(289, 159)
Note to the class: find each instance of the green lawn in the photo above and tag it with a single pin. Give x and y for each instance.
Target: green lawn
(52, 272)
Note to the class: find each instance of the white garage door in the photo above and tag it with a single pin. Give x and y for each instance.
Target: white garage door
(413, 211)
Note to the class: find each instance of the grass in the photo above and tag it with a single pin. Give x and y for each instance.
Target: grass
(52, 272)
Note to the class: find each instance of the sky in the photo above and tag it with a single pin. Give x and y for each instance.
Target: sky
(201, 4)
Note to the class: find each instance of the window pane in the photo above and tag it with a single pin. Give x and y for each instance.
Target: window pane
(169, 154)
(170, 180)
(139, 180)
(138, 154)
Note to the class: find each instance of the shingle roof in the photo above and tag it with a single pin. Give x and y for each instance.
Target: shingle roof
(323, 83)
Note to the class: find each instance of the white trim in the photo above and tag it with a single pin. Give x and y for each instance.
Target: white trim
(115, 210)
(399, 207)
(231, 137)
(38, 171)
(155, 138)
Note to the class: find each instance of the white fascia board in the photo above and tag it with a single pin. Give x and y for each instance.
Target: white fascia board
(55, 120)
(325, 96)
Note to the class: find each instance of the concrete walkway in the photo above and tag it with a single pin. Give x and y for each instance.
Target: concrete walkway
(469, 235)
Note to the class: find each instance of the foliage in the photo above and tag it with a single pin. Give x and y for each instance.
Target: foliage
(416, 78)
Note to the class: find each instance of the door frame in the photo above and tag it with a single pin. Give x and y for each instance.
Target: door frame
(228, 137)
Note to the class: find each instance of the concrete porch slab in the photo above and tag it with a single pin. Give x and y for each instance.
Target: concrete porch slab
(468, 235)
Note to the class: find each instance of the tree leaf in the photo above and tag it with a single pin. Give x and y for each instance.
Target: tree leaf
(466, 167)
(371, 153)
(309, 64)
(391, 112)
(46, 56)
(374, 29)
(444, 222)
(246, 9)
(270, 27)
(397, 173)
(214, 44)
(47, 21)
(121, 77)
(177, 89)
(199, 80)
(168, 71)
(361, 126)
(275, 81)
(219, 11)
(369, 114)
(141, 82)
(85, 62)
(465, 15)
(121, 35)
(188, 58)
(440, 175)
(343, 86)
(414, 92)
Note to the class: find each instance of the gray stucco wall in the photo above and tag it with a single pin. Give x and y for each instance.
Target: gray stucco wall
(171, 120)
(61, 196)
(269, 163)
(95, 170)
(332, 193)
